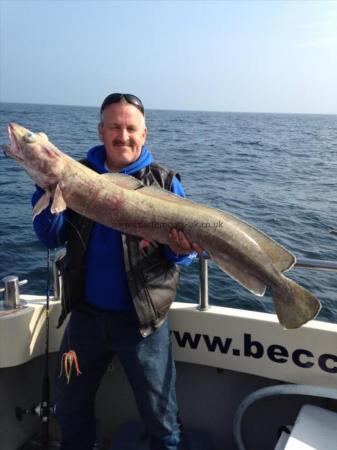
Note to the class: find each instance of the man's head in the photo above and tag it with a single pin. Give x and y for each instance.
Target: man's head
(122, 129)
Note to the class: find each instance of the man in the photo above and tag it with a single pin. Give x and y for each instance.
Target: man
(119, 289)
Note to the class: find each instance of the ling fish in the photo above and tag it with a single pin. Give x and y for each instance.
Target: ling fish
(124, 203)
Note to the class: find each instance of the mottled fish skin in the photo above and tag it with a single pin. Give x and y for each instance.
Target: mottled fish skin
(123, 203)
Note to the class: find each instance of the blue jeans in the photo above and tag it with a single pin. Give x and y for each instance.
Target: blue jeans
(149, 367)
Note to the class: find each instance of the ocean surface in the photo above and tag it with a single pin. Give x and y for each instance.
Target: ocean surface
(276, 171)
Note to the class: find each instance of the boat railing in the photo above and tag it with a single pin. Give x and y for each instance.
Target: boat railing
(316, 264)
(302, 263)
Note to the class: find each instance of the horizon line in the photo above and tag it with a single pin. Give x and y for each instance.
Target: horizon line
(178, 110)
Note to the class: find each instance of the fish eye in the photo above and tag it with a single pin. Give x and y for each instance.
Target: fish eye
(30, 137)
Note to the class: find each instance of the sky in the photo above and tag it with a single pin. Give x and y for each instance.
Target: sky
(242, 56)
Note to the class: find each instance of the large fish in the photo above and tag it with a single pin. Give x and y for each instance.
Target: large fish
(124, 203)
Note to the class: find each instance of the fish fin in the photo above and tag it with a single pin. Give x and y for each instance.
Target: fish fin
(163, 194)
(131, 183)
(294, 304)
(41, 204)
(58, 204)
(234, 270)
(124, 181)
(282, 259)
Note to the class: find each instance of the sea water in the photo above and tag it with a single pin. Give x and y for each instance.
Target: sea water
(276, 171)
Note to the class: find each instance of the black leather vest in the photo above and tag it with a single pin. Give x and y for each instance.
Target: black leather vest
(152, 279)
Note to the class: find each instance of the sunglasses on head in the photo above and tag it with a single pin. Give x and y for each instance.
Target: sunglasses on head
(117, 98)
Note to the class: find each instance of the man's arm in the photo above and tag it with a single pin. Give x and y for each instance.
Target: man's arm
(180, 251)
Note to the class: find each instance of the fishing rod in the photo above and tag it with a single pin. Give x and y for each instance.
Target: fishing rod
(45, 403)
(44, 409)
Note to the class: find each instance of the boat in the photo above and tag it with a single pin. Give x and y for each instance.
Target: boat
(243, 382)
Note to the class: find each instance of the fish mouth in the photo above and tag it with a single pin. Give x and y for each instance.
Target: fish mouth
(13, 149)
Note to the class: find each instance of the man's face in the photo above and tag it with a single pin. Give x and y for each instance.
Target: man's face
(123, 133)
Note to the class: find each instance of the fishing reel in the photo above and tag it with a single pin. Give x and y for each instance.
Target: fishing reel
(42, 410)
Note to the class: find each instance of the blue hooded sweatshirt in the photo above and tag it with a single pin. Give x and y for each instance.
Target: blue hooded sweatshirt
(106, 283)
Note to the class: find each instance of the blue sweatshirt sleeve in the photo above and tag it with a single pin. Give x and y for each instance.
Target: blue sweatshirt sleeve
(181, 260)
(51, 229)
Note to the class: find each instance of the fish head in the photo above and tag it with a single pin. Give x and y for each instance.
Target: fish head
(39, 157)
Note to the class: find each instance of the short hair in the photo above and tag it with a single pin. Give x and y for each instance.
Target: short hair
(123, 98)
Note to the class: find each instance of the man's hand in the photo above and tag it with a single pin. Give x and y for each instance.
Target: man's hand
(180, 245)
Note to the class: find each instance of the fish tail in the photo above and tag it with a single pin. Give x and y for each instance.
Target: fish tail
(294, 304)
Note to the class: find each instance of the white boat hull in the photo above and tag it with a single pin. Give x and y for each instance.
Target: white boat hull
(222, 355)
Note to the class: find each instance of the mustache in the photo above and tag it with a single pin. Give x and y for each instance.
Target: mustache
(119, 142)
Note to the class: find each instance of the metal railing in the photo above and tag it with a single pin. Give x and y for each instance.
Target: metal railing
(316, 264)
(303, 263)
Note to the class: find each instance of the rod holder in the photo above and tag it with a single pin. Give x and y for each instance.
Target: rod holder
(57, 273)
(11, 291)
